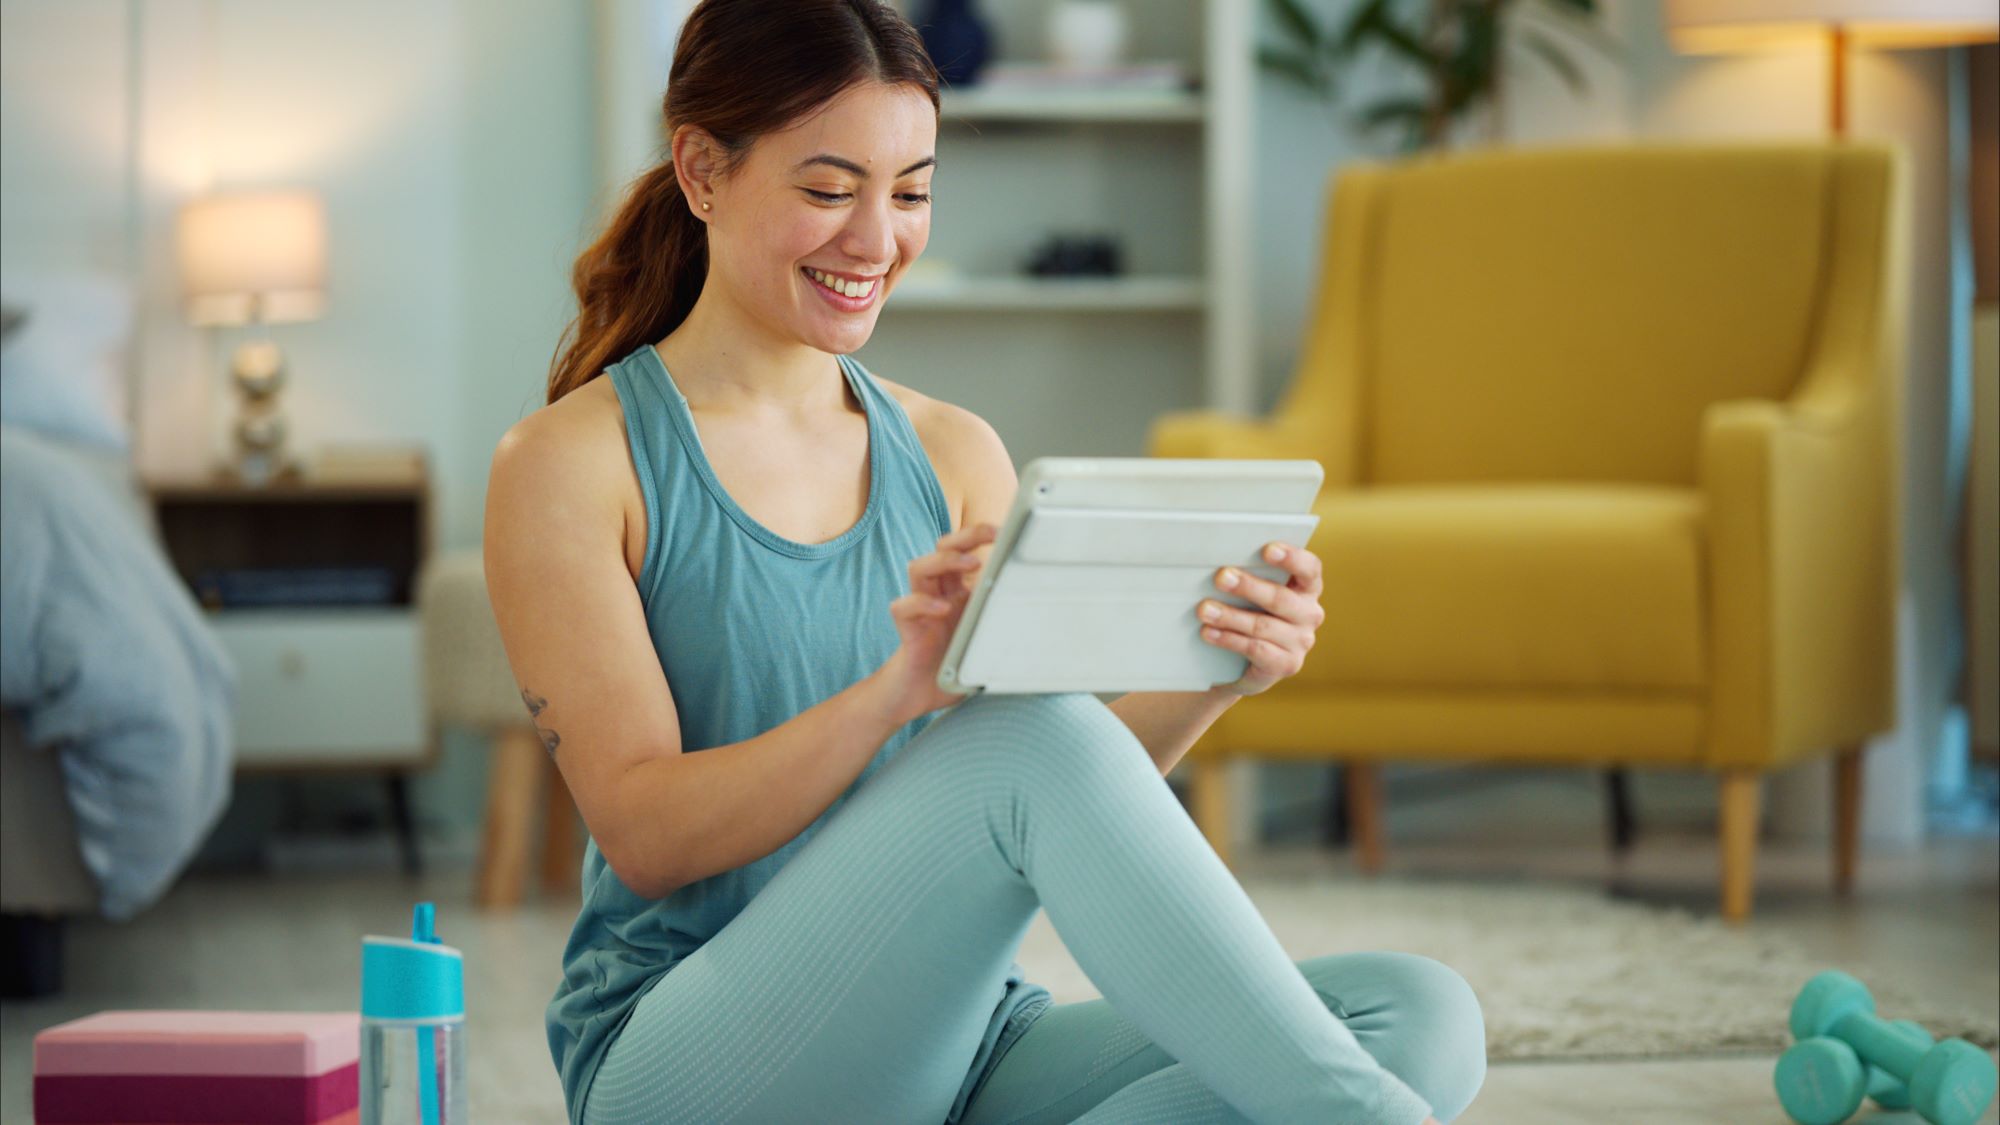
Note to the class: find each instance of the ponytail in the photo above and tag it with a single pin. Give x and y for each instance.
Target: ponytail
(634, 284)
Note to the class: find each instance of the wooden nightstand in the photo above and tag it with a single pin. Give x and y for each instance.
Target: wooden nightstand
(309, 582)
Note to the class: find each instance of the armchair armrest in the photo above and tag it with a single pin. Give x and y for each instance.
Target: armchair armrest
(1801, 510)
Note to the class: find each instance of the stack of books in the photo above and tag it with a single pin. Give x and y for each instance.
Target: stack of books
(200, 1068)
(295, 586)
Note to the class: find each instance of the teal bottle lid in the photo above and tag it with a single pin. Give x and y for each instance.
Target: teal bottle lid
(415, 978)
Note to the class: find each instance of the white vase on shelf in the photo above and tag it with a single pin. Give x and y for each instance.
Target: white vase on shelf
(1087, 33)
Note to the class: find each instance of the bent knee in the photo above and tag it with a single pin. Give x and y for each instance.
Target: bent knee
(1448, 1065)
(1436, 1040)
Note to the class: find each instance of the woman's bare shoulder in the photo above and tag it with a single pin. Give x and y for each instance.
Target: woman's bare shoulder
(945, 429)
(583, 429)
(913, 401)
(576, 446)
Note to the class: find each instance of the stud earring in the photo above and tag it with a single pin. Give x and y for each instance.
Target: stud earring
(704, 206)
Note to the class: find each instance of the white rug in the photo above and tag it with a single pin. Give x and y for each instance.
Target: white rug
(1563, 971)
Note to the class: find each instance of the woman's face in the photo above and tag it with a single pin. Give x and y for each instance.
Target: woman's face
(845, 193)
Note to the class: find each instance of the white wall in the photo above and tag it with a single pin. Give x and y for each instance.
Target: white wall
(67, 127)
(523, 194)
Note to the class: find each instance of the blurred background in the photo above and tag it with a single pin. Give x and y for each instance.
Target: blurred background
(278, 276)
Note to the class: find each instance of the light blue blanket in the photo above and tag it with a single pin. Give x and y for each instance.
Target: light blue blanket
(105, 656)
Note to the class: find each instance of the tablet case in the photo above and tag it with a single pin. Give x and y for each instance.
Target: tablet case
(1094, 577)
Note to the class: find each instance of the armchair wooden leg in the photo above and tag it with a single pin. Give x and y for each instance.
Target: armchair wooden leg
(1846, 818)
(1333, 827)
(1618, 788)
(1364, 813)
(1742, 793)
(562, 846)
(512, 788)
(1211, 798)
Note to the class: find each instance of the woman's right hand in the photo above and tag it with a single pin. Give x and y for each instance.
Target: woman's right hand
(940, 586)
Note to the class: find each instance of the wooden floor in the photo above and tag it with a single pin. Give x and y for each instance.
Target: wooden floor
(293, 942)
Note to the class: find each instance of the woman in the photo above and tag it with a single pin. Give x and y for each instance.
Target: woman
(814, 917)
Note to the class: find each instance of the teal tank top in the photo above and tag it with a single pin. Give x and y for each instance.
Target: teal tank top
(751, 629)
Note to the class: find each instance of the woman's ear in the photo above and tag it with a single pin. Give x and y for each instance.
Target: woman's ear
(694, 153)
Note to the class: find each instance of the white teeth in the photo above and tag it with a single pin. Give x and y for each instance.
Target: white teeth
(843, 287)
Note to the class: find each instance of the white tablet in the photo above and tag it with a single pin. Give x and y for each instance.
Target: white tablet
(1093, 580)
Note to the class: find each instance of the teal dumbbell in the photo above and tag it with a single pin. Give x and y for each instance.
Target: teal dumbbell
(1888, 1090)
(1821, 1081)
(1823, 1077)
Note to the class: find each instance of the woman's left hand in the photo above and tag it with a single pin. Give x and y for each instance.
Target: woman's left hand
(1277, 637)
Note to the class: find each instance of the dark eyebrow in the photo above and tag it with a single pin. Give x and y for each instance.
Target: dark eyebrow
(850, 166)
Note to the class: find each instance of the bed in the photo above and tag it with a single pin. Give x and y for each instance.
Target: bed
(116, 697)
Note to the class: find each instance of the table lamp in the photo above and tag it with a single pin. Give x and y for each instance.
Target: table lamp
(255, 258)
(1714, 26)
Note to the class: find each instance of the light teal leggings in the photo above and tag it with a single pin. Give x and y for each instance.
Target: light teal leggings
(857, 985)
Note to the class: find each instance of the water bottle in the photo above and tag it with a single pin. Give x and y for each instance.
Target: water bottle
(412, 1027)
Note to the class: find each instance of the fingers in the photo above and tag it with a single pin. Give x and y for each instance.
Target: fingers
(1253, 624)
(935, 574)
(969, 535)
(917, 606)
(1285, 602)
(1265, 654)
(1305, 567)
(940, 573)
(944, 561)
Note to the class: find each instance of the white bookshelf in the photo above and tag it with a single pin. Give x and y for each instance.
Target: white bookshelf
(1059, 366)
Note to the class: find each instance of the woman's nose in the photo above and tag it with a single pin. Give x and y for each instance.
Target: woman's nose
(870, 235)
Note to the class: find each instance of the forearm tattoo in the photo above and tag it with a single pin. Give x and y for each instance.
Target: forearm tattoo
(550, 739)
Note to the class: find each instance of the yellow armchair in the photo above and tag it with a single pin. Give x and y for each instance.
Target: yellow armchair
(1609, 473)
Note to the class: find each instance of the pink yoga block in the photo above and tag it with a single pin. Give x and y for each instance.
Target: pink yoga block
(195, 1099)
(351, 1117)
(242, 1044)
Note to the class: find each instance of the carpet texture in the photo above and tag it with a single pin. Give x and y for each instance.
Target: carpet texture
(1565, 972)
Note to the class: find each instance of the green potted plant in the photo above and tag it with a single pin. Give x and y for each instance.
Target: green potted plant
(1455, 45)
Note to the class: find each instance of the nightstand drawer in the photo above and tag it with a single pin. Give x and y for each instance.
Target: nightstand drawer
(325, 686)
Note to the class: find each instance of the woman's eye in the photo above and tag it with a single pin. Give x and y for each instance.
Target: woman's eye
(837, 196)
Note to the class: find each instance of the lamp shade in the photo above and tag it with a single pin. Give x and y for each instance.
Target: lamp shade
(1703, 26)
(253, 256)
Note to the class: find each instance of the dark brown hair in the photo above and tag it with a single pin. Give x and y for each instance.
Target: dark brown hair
(742, 68)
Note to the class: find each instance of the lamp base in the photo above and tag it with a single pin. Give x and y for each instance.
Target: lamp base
(260, 444)
(258, 368)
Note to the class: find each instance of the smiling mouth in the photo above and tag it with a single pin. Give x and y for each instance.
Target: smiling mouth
(852, 290)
